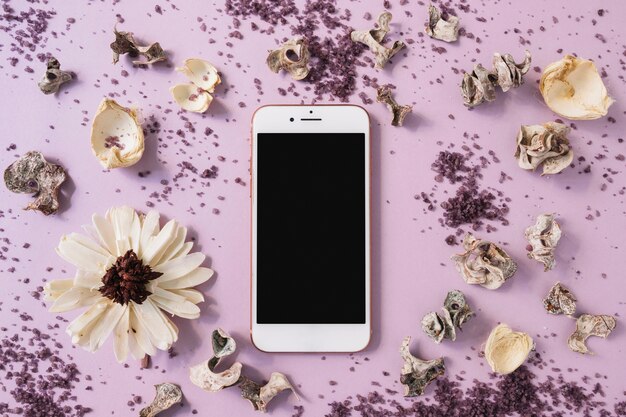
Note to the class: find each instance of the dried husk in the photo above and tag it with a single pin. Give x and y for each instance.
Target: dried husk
(439, 28)
(545, 144)
(125, 44)
(572, 88)
(293, 56)
(506, 350)
(167, 395)
(590, 325)
(116, 135)
(374, 38)
(454, 313)
(191, 98)
(32, 174)
(383, 95)
(54, 77)
(195, 96)
(543, 238)
(484, 263)
(416, 374)
(560, 300)
(260, 395)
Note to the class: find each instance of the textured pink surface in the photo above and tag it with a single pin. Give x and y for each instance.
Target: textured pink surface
(412, 270)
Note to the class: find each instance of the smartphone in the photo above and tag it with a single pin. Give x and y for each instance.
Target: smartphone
(310, 270)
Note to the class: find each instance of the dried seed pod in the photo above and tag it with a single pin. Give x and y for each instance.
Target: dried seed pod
(440, 28)
(572, 88)
(543, 237)
(167, 395)
(457, 306)
(507, 350)
(32, 174)
(383, 95)
(116, 135)
(260, 395)
(545, 144)
(560, 300)
(455, 312)
(373, 40)
(204, 78)
(484, 263)
(479, 85)
(435, 326)
(416, 374)
(203, 375)
(125, 44)
(293, 56)
(53, 77)
(590, 325)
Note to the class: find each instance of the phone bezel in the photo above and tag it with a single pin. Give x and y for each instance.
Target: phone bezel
(310, 337)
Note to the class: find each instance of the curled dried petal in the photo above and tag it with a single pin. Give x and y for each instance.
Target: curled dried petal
(223, 344)
(440, 28)
(201, 73)
(435, 326)
(560, 300)
(293, 56)
(543, 237)
(125, 44)
(506, 350)
(260, 395)
(509, 74)
(204, 376)
(167, 395)
(590, 325)
(399, 112)
(416, 374)
(457, 306)
(484, 263)
(373, 40)
(32, 174)
(191, 98)
(455, 312)
(53, 77)
(545, 144)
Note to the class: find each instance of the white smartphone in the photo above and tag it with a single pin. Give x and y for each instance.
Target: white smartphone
(310, 274)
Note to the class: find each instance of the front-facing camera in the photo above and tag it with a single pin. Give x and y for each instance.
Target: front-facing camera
(291, 119)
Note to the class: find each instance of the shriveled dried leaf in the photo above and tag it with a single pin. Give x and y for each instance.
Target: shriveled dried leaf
(32, 174)
(590, 325)
(440, 28)
(399, 112)
(506, 350)
(545, 144)
(416, 374)
(374, 38)
(543, 237)
(560, 300)
(293, 56)
(53, 77)
(125, 44)
(167, 395)
(484, 263)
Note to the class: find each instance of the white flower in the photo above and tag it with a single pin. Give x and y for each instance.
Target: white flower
(130, 272)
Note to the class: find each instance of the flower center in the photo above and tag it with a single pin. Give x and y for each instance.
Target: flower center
(126, 279)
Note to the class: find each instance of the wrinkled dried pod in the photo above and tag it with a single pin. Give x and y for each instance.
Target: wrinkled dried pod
(455, 312)
(479, 85)
(53, 77)
(484, 263)
(116, 135)
(572, 88)
(203, 375)
(560, 300)
(373, 40)
(383, 95)
(457, 306)
(543, 237)
(167, 395)
(32, 174)
(545, 144)
(507, 350)
(590, 325)
(125, 43)
(293, 56)
(260, 395)
(204, 78)
(444, 29)
(438, 326)
(416, 374)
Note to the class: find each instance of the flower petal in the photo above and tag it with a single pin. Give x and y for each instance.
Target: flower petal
(127, 228)
(185, 309)
(194, 296)
(105, 326)
(74, 298)
(87, 279)
(186, 248)
(80, 328)
(179, 267)
(105, 232)
(163, 333)
(139, 333)
(87, 257)
(192, 279)
(54, 289)
(120, 334)
(149, 228)
(176, 245)
(158, 244)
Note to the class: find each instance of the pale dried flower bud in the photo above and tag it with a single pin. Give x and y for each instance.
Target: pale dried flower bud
(590, 325)
(543, 238)
(416, 374)
(383, 95)
(545, 144)
(167, 395)
(439, 28)
(373, 39)
(54, 77)
(560, 300)
(293, 56)
(506, 350)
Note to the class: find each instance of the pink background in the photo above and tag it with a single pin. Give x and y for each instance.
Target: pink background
(412, 270)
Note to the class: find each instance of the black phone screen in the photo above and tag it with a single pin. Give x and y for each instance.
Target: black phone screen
(311, 227)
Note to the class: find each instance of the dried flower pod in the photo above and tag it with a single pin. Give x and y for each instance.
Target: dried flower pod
(507, 350)
(416, 374)
(116, 135)
(572, 88)
(167, 395)
(479, 85)
(440, 28)
(545, 144)
(204, 78)
(203, 375)
(373, 40)
(191, 98)
(293, 56)
(457, 306)
(260, 395)
(383, 95)
(435, 326)
(53, 77)
(543, 237)
(484, 263)
(590, 325)
(32, 174)
(560, 300)
(125, 44)
(455, 312)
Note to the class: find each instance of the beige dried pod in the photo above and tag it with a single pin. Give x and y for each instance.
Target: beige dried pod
(417, 374)
(590, 325)
(116, 135)
(546, 145)
(506, 350)
(195, 96)
(293, 56)
(191, 98)
(543, 238)
(374, 38)
(204, 376)
(445, 29)
(572, 88)
(167, 395)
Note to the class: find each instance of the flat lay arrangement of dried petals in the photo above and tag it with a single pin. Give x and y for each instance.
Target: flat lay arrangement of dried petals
(196, 95)
(129, 273)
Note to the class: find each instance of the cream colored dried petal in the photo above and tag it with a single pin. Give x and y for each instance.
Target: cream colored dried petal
(116, 135)
(509, 74)
(202, 376)
(293, 56)
(484, 263)
(590, 325)
(507, 350)
(435, 326)
(191, 98)
(560, 300)
(438, 28)
(545, 144)
(383, 95)
(543, 237)
(572, 88)
(201, 73)
(373, 40)
(416, 374)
